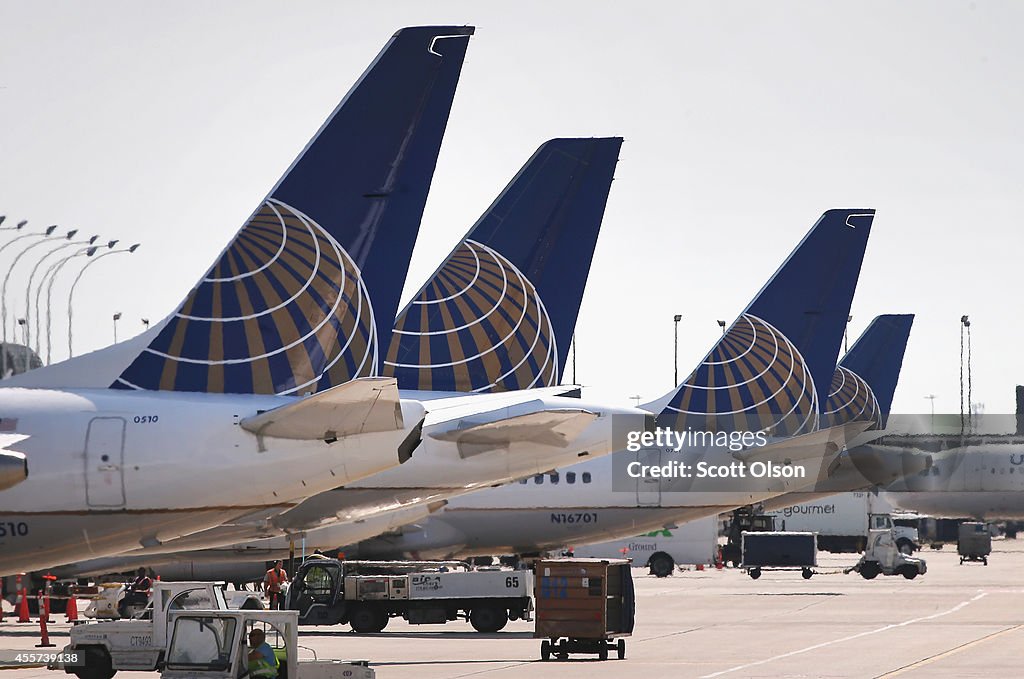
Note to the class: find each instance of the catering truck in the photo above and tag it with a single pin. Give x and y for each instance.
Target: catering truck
(366, 594)
(843, 521)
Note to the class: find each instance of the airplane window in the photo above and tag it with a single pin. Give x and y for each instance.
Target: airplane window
(586, 477)
(570, 477)
(538, 479)
(554, 478)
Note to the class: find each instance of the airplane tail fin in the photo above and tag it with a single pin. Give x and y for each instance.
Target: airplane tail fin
(299, 299)
(499, 312)
(774, 365)
(866, 378)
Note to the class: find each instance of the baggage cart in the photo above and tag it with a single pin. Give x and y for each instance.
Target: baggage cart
(973, 542)
(779, 551)
(583, 606)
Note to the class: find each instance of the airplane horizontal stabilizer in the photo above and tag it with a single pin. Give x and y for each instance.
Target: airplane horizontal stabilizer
(362, 406)
(556, 428)
(819, 445)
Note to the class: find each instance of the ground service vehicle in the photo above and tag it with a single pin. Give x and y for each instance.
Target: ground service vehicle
(138, 643)
(694, 542)
(883, 556)
(582, 605)
(214, 645)
(842, 522)
(779, 551)
(744, 520)
(366, 594)
(974, 542)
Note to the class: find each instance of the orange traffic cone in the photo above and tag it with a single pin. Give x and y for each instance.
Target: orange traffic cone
(44, 640)
(23, 607)
(71, 612)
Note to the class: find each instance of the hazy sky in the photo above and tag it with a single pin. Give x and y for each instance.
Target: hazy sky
(166, 124)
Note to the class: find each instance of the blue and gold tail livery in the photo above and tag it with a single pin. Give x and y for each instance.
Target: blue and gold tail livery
(866, 378)
(773, 367)
(299, 300)
(500, 311)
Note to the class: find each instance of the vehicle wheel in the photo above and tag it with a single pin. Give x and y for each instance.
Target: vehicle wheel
(488, 618)
(807, 573)
(961, 561)
(909, 572)
(905, 546)
(545, 650)
(661, 565)
(754, 573)
(984, 560)
(620, 649)
(870, 570)
(602, 653)
(97, 665)
(367, 619)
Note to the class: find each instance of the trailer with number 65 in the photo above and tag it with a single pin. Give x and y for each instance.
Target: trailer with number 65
(366, 594)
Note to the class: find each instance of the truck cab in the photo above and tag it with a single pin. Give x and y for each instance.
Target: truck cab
(214, 645)
(138, 643)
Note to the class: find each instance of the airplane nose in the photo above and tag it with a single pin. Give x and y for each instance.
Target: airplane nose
(13, 469)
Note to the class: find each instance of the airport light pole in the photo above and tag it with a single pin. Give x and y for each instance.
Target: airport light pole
(71, 294)
(846, 341)
(49, 277)
(32, 275)
(24, 324)
(145, 322)
(675, 320)
(117, 317)
(721, 324)
(43, 235)
(931, 397)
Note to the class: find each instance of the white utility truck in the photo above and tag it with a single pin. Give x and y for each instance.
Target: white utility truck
(366, 594)
(214, 645)
(106, 646)
(883, 556)
(692, 543)
(842, 522)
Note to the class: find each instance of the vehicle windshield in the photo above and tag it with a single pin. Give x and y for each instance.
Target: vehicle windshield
(201, 643)
(196, 599)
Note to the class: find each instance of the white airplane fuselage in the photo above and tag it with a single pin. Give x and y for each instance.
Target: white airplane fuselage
(111, 470)
(437, 470)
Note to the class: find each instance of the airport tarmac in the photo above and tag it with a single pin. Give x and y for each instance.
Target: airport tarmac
(955, 621)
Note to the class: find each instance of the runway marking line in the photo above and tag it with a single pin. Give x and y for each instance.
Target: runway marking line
(945, 654)
(851, 637)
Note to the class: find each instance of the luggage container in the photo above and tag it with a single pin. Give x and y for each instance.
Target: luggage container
(779, 551)
(973, 542)
(583, 606)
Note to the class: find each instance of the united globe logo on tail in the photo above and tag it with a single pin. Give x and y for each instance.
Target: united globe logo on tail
(850, 399)
(283, 311)
(754, 380)
(479, 325)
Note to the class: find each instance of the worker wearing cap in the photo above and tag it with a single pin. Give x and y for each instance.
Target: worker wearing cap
(263, 661)
(274, 578)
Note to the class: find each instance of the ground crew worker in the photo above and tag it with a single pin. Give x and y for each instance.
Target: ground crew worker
(263, 661)
(274, 578)
(137, 593)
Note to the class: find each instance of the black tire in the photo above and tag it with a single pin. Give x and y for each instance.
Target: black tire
(661, 565)
(368, 619)
(807, 573)
(488, 618)
(602, 653)
(909, 572)
(620, 649)
(905, 546)
(97, 665)
(754, 573)
(545, 650)
(870, 570)
(984, 560)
